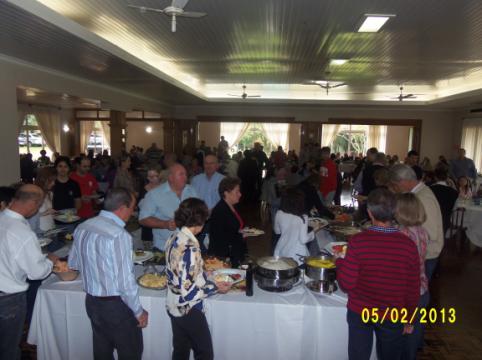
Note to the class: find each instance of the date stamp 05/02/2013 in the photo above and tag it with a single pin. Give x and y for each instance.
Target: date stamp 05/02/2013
(405, 316)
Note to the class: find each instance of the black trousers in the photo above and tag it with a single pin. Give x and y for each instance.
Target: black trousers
(191, 331)
(114, 326)
(12, 318)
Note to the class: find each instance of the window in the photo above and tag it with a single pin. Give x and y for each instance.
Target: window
(472, 141)
(30, 139)
(95, 136)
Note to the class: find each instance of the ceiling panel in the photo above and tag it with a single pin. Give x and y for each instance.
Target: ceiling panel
(283, 42)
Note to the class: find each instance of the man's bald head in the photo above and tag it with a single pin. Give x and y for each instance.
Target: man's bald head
(27, 200)
(177, 177)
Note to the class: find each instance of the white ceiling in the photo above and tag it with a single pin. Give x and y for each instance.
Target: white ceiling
(432, 47)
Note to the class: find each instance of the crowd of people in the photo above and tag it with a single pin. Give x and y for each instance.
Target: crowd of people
(188, 207)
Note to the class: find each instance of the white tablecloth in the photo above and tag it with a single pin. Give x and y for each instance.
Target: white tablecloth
(472, 220)
(293, 325)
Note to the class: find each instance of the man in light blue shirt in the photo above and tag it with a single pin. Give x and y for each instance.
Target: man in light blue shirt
(463, 166)
(207, 183)
(102, 252)
(158, 207)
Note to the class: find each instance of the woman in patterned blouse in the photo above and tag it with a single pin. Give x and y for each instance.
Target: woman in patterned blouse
(188, 285)
(410, 215)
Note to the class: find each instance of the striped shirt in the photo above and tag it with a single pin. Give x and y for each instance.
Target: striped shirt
(381, 270)
(102, 252)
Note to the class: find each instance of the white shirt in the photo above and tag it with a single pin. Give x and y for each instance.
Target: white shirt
(20, 254)
(294, 235)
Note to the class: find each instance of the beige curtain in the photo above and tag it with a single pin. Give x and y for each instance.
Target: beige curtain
(277, 134)
(328, 133)
(21, 113)
(106, 132)
(377, 137)
(233, 132)
(49, 124)
(472, 141)
(86, 128)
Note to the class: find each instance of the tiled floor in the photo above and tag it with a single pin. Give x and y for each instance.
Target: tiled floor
(458, 286)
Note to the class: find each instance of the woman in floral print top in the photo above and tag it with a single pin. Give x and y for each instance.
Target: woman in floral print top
(187, 283)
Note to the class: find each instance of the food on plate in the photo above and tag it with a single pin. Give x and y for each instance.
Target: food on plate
(140, 252)
(346, 230)
(212, 263)
(68, 237)
(339, 249)
(61, 266)
(342, 218)
(155, 281)
(228, 278)
(252, 231)
(319, 263)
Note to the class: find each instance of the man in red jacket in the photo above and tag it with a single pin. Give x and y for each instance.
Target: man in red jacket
(381, 274)
(327, 176)
(88, 187)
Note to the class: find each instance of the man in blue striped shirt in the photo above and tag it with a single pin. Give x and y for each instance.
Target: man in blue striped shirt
(102, 252)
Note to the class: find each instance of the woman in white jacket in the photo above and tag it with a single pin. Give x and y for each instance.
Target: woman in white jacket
(291, 223)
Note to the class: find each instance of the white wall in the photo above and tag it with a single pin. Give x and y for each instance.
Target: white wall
(440, 133)
(137, 135)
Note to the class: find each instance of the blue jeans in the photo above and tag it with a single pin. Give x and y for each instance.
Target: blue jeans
(13, 309)
(360, 338)
(430, 266)
(414, 341)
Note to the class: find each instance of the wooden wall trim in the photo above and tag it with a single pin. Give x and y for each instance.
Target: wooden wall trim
(253, 119)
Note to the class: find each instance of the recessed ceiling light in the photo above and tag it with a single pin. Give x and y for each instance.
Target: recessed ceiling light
(374, 22)
(338, 61)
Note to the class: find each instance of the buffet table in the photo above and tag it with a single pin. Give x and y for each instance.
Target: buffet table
(472, 220)
(291, 325)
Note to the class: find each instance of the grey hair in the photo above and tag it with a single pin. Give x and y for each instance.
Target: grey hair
(116, 198)
(382, 204)
(401, 172)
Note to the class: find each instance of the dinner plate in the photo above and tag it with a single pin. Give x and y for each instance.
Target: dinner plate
(67, 219)
(228, 272)
(317, 222)
(252, 232)
(329, 247)
(141, 258)
(44, 241)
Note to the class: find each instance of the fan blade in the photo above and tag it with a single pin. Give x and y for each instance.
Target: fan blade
(253, 96)
(408, 96)
(235, 95)
(192, 14)
(179, 3)
(337, 85)
(144, 9)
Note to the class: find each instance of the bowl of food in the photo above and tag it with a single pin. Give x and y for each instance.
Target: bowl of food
(153, 281)
(61, 269)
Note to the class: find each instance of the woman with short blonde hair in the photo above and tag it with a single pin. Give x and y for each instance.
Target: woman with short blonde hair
(410, 215)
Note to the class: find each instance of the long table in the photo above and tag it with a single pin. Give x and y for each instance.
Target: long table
(292, 325)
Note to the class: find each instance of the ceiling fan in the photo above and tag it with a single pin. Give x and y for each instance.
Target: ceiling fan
(402, 97)
(244, 95)
(176, 9)
(325, 85)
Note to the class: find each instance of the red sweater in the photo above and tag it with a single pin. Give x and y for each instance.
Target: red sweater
(381, 269)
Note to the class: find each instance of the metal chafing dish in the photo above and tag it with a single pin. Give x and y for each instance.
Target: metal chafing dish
(276, 274)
